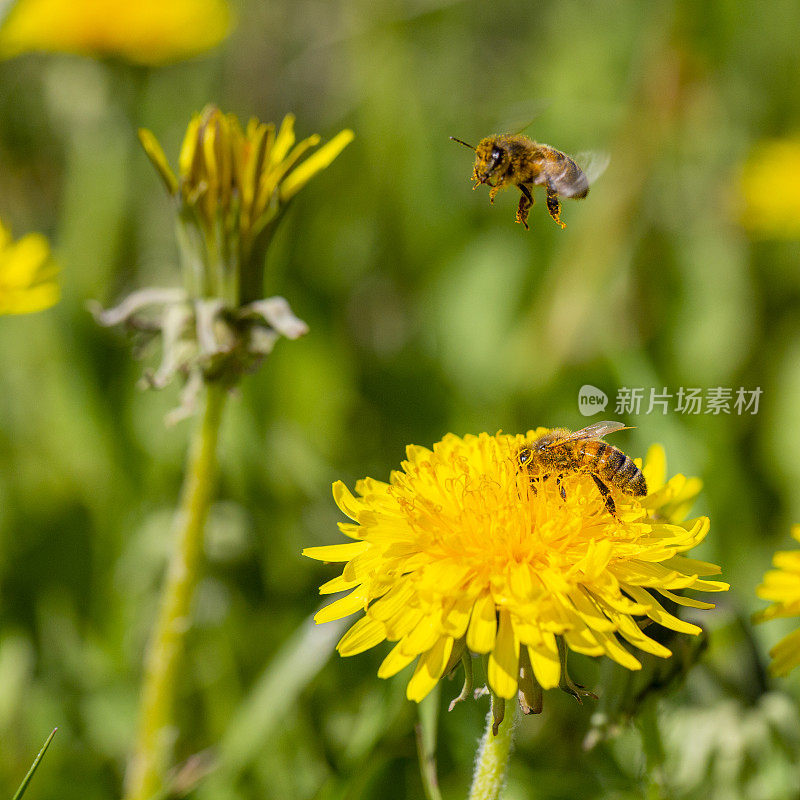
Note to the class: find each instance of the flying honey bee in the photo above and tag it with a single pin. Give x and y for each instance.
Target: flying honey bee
(514, 159)
(560, 452)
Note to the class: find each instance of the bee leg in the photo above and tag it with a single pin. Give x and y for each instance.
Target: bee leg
(606, 494)
(561, 488)
(493, 192)
(525, 203)
(554, 207)
(535, 480)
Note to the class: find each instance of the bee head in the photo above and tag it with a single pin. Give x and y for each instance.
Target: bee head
(491, 159)
(525, 456)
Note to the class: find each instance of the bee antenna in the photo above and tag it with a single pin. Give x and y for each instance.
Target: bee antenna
(462, 142)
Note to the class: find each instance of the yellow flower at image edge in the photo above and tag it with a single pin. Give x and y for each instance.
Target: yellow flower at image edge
(782, 587)
(27, 274)
(458, 551)
(769, 186)
(145, 31)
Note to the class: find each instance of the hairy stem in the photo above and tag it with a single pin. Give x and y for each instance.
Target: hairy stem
(493, 753)
(149, 762)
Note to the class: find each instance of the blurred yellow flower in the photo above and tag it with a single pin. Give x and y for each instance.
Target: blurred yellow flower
(148, 32)
(782, 587)
(770, 189)
(27, 274)
(458, 552)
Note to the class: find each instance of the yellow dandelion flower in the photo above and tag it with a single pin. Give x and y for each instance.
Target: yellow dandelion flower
(148, 32)
(770, 189)
(782, 587)
(27, 274)
(460, 552)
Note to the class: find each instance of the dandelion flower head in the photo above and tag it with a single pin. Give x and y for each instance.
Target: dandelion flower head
(458, 551)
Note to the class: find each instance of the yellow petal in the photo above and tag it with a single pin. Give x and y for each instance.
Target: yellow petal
(364, 634)
(589, 612)
(394, 601)
(343, 498)
(283, 141)
(659, 614)
(655, 468)
(343, 607)
(187, 156)
(617, 652)
(314, 164)
(503, 671)
(482, 625)
(689, 602)
(396, 660)
(336, 552)
(156, 155)
(429, 669)
(545, 661)
(632, 633)
(338, 584)
(423, 637)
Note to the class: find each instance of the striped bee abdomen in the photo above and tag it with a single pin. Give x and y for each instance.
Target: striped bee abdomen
(620, 471)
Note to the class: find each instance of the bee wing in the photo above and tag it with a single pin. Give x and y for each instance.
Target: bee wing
(593, 163)
(565, 177)
(596, 431)
(518, 117)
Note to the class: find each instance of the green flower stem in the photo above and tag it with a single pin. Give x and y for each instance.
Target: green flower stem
(653, 747)
(493, 753)
(150, 760)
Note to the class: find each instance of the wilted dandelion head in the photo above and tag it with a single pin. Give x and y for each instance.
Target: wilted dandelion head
(458, 551)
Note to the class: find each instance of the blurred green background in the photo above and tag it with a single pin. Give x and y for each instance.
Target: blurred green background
(430, 311)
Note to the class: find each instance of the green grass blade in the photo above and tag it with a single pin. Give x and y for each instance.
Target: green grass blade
(24, 785)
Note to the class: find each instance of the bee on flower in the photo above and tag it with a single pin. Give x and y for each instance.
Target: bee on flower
(462, 553)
